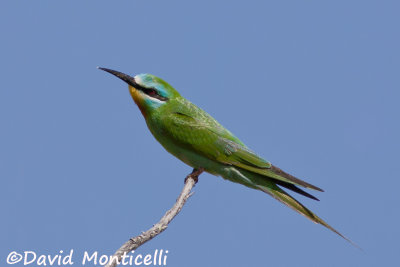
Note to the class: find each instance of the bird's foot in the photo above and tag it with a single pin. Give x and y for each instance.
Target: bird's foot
(195, 175)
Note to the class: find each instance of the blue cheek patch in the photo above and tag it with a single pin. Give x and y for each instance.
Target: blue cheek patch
(152, 103)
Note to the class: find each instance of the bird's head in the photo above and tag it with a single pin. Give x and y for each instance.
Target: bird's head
(148, 91)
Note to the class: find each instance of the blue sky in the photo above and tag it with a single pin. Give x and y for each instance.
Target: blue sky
(312, 87)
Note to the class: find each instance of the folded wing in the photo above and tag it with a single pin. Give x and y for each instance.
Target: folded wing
(207, 137)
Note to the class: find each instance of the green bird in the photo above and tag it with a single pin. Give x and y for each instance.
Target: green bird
(193, 136)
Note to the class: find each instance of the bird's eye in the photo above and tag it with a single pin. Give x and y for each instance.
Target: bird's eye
(152, 92)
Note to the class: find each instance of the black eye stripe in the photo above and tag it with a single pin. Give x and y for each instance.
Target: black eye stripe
(151, 92)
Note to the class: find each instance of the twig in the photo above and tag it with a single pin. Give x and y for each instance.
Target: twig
(159, 227)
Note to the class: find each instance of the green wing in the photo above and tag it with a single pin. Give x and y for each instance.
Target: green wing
(192, 127)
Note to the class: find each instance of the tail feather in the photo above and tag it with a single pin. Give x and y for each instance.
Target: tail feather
(295, 189)
(277, 174)
(270, 186)
(292, 203)
(281, 173)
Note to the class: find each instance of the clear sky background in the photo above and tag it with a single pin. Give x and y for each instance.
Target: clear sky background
(312, 87)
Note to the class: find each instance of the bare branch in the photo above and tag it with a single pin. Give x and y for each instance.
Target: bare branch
(159, 227)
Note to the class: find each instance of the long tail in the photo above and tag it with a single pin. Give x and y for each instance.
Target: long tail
(291, 202)
(270, 187)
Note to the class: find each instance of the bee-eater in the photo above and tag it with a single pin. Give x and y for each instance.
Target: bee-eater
(193, 136)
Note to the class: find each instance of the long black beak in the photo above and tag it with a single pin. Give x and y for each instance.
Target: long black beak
(126, 78)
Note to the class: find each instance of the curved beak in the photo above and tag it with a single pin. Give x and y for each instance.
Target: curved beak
(126, 78)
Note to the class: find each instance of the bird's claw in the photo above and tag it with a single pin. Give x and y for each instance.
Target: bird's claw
(195, 175)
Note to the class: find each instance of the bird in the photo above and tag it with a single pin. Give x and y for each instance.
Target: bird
(196, 138)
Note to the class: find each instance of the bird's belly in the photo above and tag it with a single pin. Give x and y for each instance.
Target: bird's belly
(186, 155)
(196, 160)
(193, 159)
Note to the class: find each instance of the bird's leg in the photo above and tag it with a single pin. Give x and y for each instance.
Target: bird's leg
(195, 175)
